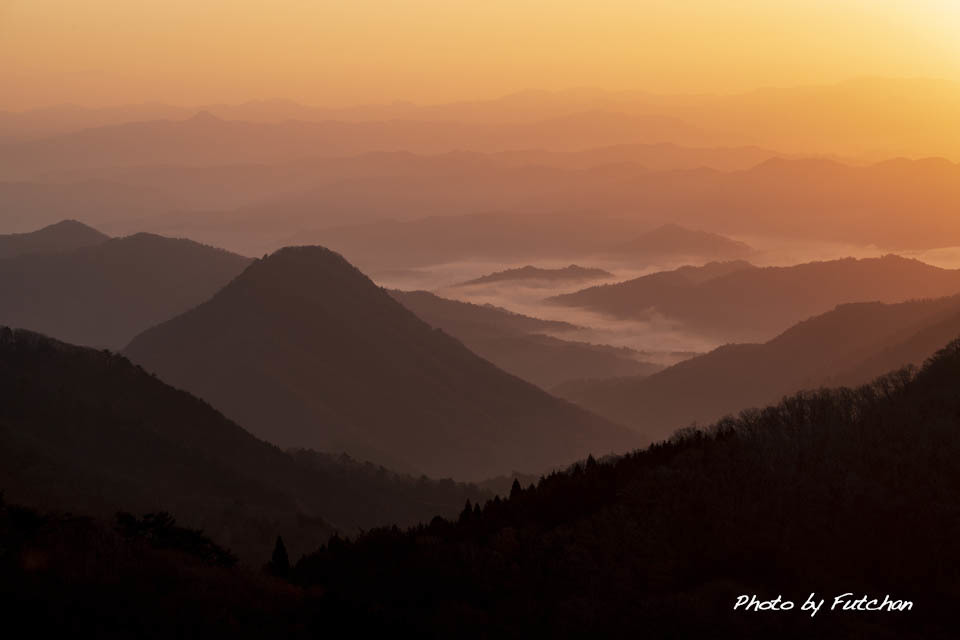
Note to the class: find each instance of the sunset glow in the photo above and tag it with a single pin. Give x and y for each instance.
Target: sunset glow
(336, 53)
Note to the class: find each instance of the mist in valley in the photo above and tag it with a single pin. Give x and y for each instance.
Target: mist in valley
(420, 318)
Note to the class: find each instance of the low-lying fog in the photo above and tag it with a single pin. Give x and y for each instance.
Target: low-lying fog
(658, 339)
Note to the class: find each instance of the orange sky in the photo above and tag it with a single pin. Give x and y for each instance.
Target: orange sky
(96, 52)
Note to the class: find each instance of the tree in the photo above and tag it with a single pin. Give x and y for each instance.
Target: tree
(279, 564)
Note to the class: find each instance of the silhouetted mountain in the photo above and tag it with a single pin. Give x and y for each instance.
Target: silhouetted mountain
(566, 274)
(632, 297)
(103, 295)
(305, 350)
(755, 304)
(88, 432)
(62, 236)
(849, 345)
(437, 311)
(674, 240)
(663, 542)
(516, 344)
(69, 575)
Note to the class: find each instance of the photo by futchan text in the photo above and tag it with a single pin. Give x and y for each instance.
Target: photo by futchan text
(813, 604)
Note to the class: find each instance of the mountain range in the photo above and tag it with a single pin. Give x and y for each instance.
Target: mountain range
(858, 117)
(205, 139)
(258, 207)
(103, 294)
(738, 301)
(304, 350)
(849, 345)
(664, 542)
(88, 432)
(570, 273)
(514, 237)
(62, 236)
(672, 240)
(521, 345)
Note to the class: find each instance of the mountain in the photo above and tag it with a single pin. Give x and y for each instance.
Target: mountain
(633, 298)
(62, 236)
(205, 187)
(849, 345)
(518, 345)
(205, 139)
(438, 311)
(900, 204)
(674, 240)
(305, 350)
(88, 432)
(504, 237)
(103, 295)
(758, 303)
(814, 199)
(664, 542)
(857, 117)
(254, 206)
(572, 272)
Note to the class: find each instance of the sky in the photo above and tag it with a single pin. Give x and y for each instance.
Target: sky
(189, 52)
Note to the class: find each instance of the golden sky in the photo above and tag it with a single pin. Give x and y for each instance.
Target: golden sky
(189, 52)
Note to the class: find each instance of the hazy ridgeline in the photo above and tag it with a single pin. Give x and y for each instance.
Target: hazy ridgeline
(338, 326)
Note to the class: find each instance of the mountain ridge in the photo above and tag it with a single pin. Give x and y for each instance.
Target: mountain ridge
(104, 294)
(306, 351)
(65, 235)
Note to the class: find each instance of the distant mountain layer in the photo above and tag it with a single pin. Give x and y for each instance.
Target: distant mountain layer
(907, 116)
(260, 205)
(62, 236)
(516, 343)
(512, 237)
(739, 302)
(847, 346)
(88, 432)
(566, 274)
(111, 206)
(305, 350)
(674, 240)
(104, 294)
(205, 139)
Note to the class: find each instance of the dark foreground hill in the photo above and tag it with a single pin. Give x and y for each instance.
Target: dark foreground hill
(754, 304)
(104, 294)
(62, 236)
(88, 432)
(519, 345)
(832, 492)
(850, 345)
(305, 350)
(849, 493)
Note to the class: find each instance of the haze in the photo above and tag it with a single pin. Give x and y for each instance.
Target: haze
(500, 318)
(101, 52)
